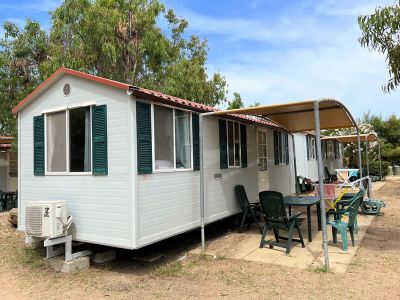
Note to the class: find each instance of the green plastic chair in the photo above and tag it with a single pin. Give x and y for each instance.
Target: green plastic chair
(273, 209)
(250, 212)
(341, 226)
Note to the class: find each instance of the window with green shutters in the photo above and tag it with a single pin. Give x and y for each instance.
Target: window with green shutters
(75, 141)
(232, 144)
(38, 145)
(167, 139)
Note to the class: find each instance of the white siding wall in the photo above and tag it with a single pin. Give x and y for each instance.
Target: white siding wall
(281, 177)
(100, 205)
(169, 202)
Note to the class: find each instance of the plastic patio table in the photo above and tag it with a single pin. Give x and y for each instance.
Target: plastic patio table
(306, 201)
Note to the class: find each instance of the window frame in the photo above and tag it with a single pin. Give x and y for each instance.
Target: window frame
(153, 141)
(67, 144)
(234, 150)
(265, 146)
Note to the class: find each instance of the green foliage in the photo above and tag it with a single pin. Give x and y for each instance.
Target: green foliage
(236, 102)
(380, 32)
(22, 51)
(374, 168)
(116, 39)
(122, 40)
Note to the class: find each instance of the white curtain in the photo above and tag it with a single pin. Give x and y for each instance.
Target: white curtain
(56, 142)
(163, 138)
(182, 139)
(88, 150)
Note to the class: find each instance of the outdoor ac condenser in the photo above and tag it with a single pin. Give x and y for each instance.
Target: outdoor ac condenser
(46, 219)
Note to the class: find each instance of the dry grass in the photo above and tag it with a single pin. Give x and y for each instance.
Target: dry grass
(373, 274)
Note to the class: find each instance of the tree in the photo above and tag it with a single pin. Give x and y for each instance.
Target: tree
(236, 102)
(122, 40)
(388, 131)
(380, 32)
(22, 52)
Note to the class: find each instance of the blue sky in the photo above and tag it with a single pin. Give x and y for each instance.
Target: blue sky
(275, 51)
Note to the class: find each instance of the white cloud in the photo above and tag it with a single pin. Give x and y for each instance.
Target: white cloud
(317, 59)
(350, 7)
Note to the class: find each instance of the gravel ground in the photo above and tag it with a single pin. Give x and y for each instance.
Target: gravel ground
(374, 272)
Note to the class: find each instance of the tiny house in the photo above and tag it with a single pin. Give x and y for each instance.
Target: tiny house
(126, 159)
(306, 155)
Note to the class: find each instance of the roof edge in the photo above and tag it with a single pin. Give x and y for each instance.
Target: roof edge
(28, 99)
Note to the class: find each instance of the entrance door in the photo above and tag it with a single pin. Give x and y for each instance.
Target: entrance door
(262, 159)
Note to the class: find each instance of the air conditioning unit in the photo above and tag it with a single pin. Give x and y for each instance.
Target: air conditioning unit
(46, 219)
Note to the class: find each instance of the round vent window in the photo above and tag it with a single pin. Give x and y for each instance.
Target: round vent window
(67, 89)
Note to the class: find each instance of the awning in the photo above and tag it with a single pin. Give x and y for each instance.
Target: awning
(347, 139)
(299, 116)
(369, 137)
(294, 117)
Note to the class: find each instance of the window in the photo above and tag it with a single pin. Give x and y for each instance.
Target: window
(311, 147)
(262, 151)
(56, 142)
(68, 141)
(281, 147)
(79, 140)
(233, 144)
(331, 154)
(182, 139)
(172, 139)
(163, 138)
(323, 149)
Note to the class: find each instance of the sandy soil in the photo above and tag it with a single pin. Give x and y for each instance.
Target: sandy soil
(373, 274)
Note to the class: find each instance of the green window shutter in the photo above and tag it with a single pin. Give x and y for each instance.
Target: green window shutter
(196, 142)
(308, 146)
(276, 147)
(287, 147)
(144, 147)
(243, 145)
(223, 150)
(99, 135)
(38, 145)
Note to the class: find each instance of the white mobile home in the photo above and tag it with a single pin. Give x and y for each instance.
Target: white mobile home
(8, 165)
(306, 158)
(126, 159)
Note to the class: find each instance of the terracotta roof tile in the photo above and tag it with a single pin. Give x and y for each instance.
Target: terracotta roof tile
(138, 91)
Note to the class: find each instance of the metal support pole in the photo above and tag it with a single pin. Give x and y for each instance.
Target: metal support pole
(203, 239)
(297, 186)
(359, 153)
(380, 161)
(367, 164)
(321, 183)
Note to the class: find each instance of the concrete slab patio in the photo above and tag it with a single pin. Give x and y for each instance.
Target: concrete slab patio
(245, 246)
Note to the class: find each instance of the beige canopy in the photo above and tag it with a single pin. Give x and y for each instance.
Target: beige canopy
(294, 117)
(299, 116)
(346, 139)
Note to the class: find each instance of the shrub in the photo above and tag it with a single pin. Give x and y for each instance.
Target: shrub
(374, 168)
